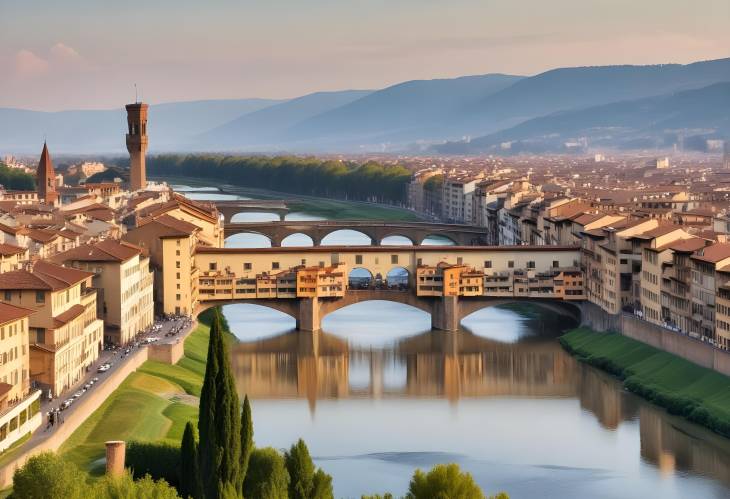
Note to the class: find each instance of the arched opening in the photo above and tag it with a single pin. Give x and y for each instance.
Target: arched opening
(397, 279)
(250, 322)
(297, 240)
(254, 216)
(437, 240)
(360, 278)
(346, 237)
(376, 323)
(247, 240)
(396, 240)
(519, 321)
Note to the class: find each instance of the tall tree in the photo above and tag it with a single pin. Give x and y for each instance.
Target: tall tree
(246, 438)
(267, 477)
(444, 480)
(189, 471)
(306, 482)
(219, 424)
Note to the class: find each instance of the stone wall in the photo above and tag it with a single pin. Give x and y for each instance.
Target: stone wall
(681, 345)
(168, 353)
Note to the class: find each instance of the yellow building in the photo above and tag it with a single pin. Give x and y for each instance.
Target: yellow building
(171, 245)
(19, 405)
(123, 281)
(65, 334)
(11, 257)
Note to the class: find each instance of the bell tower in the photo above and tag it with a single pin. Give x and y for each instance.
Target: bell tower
(137, 144)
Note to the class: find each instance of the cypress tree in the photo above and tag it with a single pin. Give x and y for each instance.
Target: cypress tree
(306, 482)
(219, 422)
(189, 471)
(246, 438)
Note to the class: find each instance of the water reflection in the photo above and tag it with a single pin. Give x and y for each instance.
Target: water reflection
(520, 415)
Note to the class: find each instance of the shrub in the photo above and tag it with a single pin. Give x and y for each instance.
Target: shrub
(159, 460)
(267, 477)
(47, 476)
(443, 481)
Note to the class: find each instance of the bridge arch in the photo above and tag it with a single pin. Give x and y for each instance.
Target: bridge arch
(239, 240)
(298, 239)
(438, 239)
(349, 237)
(396, 242)
(469, 306)
(248, 216)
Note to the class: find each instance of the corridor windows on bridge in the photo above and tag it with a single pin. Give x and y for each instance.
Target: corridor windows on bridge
(531, 264)
(394, 259)
(247, 266)
(488, 264)
(397, 279)
(358, 259)
(213, 266)
(360, 278)
(511, 264)
(556, 264)
(304, 261)
(275, 265)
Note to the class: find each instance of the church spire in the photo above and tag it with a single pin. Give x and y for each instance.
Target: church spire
(46, 178)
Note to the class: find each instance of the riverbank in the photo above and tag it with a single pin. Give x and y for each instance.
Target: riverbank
(331, 209)
(153, 404)
(696, 393)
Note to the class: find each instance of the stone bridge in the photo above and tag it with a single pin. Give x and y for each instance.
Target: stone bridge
(446, 312)
(229, 208)
(416, 232)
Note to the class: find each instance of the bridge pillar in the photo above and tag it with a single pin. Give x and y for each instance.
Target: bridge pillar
(445, 315)
(309, 315)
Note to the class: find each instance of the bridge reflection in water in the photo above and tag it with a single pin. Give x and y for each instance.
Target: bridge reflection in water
(460, 365)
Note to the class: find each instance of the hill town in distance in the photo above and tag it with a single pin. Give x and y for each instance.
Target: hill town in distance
(486, 286)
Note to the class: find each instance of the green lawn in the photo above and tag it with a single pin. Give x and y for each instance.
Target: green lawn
(152, 404)
(699, 394)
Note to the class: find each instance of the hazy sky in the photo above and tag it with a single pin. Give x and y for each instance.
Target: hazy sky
(61, 54)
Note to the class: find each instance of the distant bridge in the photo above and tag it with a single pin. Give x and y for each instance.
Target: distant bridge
(416, 232)
(230, 208)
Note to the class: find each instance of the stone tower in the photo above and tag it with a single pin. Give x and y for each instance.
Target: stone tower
(46, 178)
(137, 144)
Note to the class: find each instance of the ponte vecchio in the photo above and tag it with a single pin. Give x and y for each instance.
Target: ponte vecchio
(448, 282)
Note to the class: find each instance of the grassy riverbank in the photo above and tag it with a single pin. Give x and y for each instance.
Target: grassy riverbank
(698, 394)
(152, 404)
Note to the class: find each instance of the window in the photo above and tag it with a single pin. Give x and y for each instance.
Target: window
(177, 265)
(511, 264)
(177, 297)
(393, 258)
(212, 266)
(178, 275)
(531, 264)
(358, 259)
(304, 261)
(459, 260)
(321, 265)
(247, 266)
(275, 265)
(40, 297)
(177, 252)
(556, 264)
(8, 295)
(419, 262)
(487, 264)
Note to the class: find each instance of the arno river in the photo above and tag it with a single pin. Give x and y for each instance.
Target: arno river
(378, 394)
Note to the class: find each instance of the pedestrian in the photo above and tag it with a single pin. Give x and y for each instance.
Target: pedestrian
(51, 418)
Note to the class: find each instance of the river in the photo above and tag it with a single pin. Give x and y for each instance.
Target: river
(378, 394)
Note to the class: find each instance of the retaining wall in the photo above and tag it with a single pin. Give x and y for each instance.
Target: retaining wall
(679, 344)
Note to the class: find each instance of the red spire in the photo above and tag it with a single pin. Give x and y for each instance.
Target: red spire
(46, 177)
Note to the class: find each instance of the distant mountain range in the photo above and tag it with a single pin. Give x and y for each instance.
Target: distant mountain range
(611, 106)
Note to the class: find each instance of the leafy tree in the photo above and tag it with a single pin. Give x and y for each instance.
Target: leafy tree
(305, 481)
(246, 438)
(443, 481)
(387, 495)
(219, 424)
(15, 179)
(189, 471)
(267, 477)
(125, 487)
(47, 476)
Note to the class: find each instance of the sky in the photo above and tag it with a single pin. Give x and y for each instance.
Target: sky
(88, 54)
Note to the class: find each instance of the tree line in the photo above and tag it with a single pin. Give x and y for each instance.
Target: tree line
(14, 179)
(370, 181)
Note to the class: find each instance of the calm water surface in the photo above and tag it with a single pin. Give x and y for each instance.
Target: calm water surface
(378, 394)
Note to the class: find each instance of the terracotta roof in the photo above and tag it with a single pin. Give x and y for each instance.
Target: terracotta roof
(9, 313)
(172, 227)
(43, 276)
(662, 230)
(10, 250)
(688, 245)
(42, 235)
(69, 315)
(713, 253)
(108, 250)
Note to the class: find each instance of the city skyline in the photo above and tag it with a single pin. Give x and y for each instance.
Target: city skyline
(83, 55)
